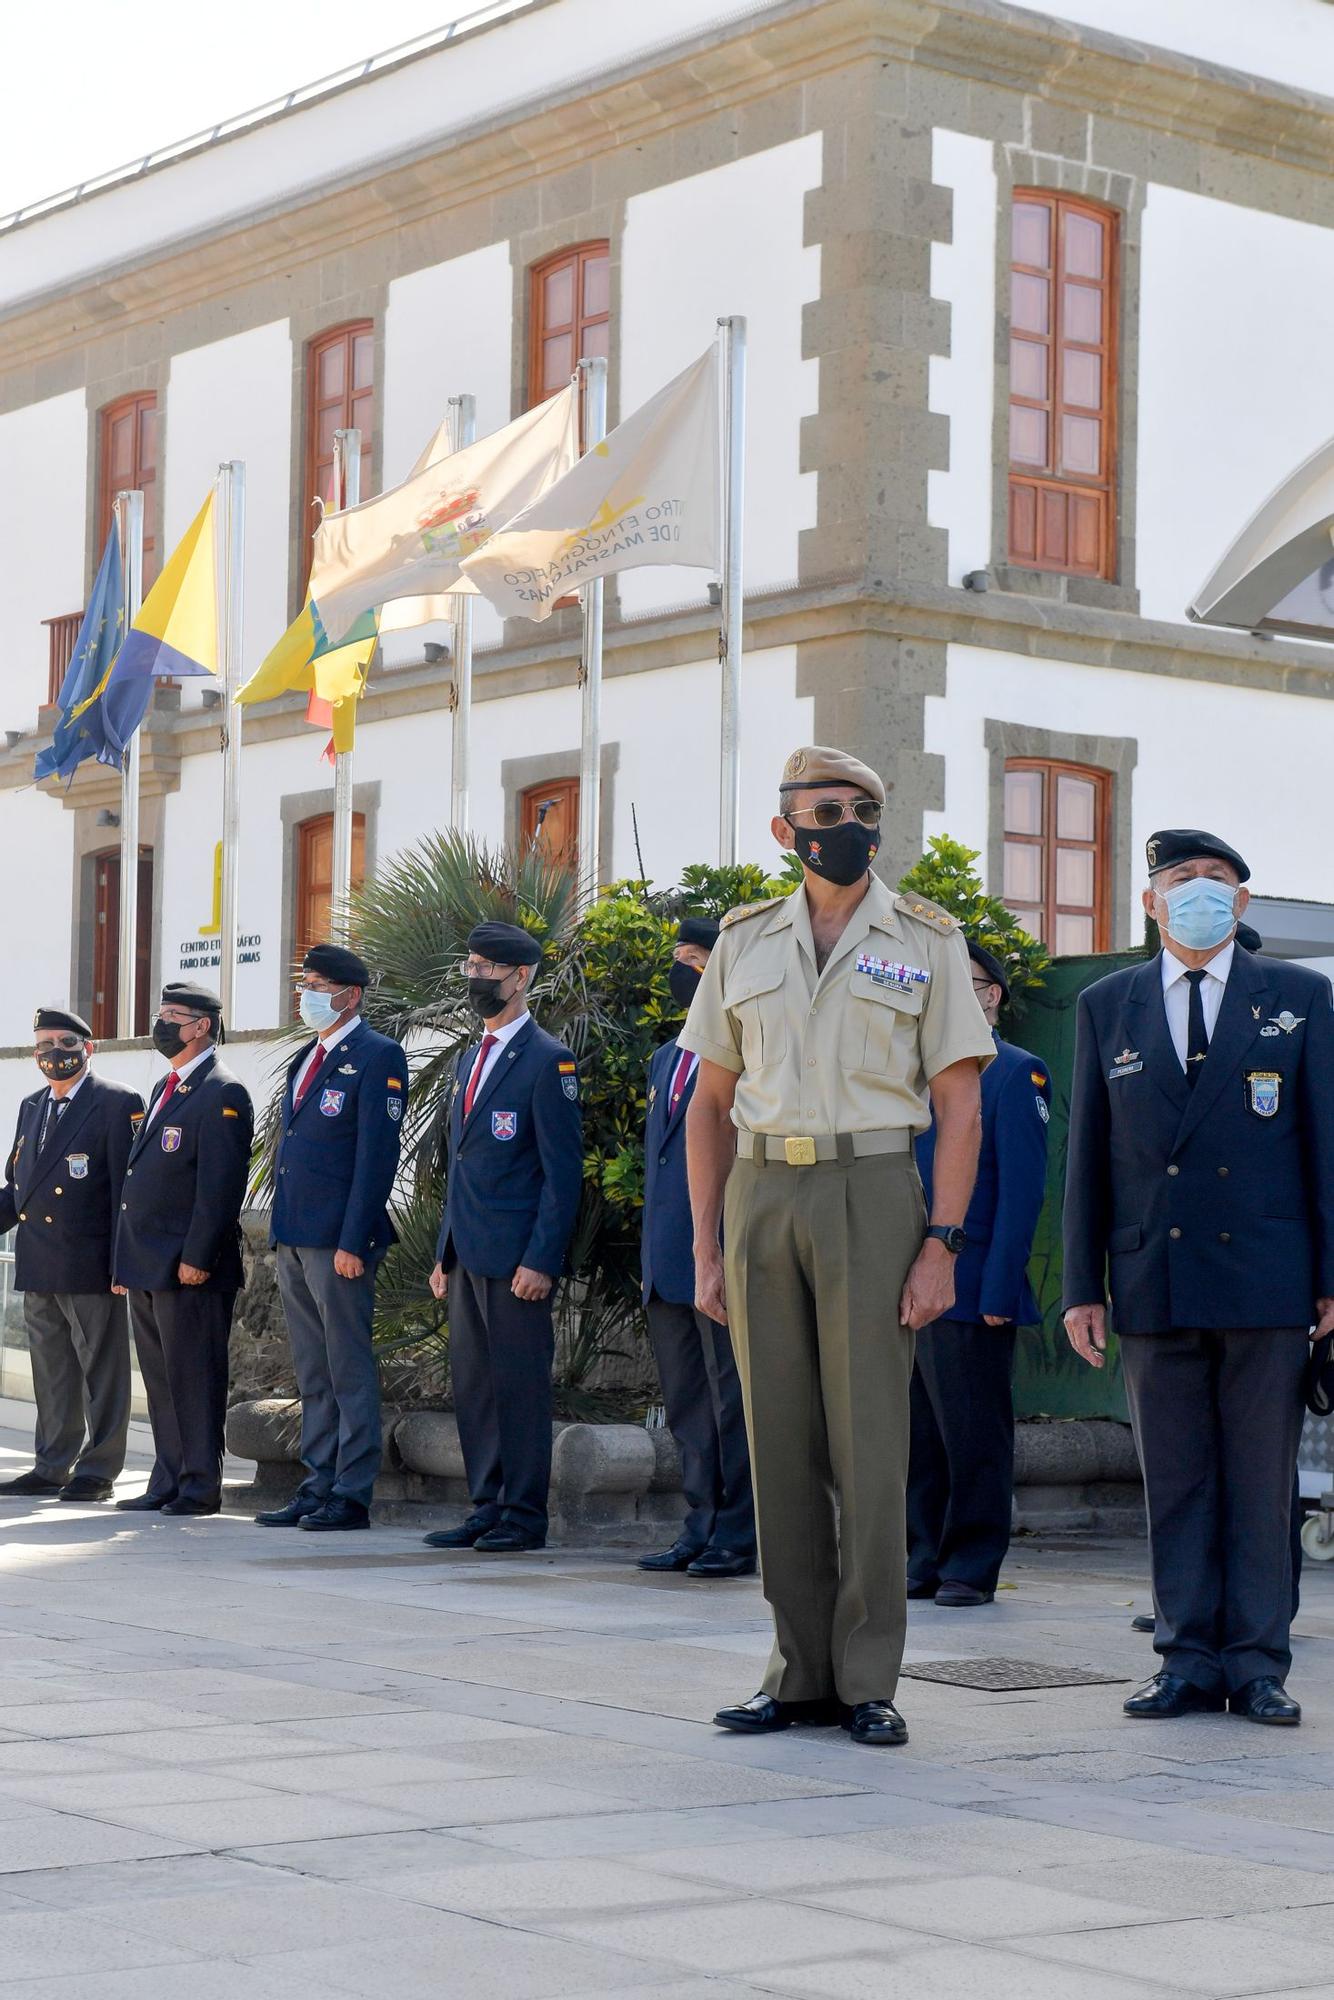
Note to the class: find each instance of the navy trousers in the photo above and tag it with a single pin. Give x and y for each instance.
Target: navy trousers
(701, 1393)
(500, 1355)
(961, 1457)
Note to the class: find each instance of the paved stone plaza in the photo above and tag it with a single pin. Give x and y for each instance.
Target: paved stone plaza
(238, 1765)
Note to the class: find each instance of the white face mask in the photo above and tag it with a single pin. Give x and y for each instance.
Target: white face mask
(317, 1009)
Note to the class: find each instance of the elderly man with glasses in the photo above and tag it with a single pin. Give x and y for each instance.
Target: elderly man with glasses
(516, 1171)
(829, 1024)
(61, 1193)
(177, 1251)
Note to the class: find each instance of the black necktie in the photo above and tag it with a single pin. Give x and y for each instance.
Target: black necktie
(1197, 1035)
(55, 1107)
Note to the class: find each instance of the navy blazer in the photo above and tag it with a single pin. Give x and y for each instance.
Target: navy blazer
(185, 1186)
(338, 1151)
(667, 1238)
(64, 1200)
(1211, 1207)
(991, 1274)
(516, 1169)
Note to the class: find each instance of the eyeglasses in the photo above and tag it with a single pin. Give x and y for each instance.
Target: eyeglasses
(483, 968)
(178, 1016)
(832, 812)
(983, 985)
(65, 1042)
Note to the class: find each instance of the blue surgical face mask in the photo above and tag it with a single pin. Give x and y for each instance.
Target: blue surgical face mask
(317, 1009)
(1201, 913)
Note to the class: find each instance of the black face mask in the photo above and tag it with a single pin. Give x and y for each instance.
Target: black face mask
(840, 853)
(682, 983)
(486, 999)
(167, 1038)
(61, 1064)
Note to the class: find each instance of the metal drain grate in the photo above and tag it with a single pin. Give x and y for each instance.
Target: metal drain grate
(1006, 1674)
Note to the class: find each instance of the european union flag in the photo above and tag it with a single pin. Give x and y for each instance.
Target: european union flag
(101, 636)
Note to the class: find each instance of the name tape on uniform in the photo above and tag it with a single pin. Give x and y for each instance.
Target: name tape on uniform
(888, 973)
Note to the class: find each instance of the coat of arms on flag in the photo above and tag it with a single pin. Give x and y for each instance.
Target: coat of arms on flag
(504, 1124)
(331, 1102)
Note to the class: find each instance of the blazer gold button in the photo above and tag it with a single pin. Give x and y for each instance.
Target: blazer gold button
(1222, 1173)
(22, 1218)
(60, 1190)
(1224, 1236)
(1174, 1170)
(50, 1218)
(1174, 1234)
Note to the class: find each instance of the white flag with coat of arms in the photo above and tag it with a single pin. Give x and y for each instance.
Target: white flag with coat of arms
(648, 493)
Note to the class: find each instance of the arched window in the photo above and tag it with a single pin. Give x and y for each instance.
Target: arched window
(1057, 861)
(1062, 384)
(340, 396)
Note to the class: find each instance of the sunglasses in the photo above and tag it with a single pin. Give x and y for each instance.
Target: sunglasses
(832, 812)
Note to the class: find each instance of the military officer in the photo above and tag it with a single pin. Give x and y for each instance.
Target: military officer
(62, 1192)
(961, 1466)
(342, 1123)
(700, 1386)
(823, 1024)
(515, 1174)
(1200, 1195)
(177, 1249)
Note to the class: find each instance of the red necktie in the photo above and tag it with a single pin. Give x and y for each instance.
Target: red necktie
(488, 1043)
(167, 1089)
(314, 1063)
(682, 1077)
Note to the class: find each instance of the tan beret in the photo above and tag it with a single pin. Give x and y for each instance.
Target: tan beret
(817, 764)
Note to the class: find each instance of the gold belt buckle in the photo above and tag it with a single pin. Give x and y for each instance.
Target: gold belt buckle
(799, 1152)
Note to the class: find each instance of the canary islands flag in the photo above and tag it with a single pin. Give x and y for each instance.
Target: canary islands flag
(175, 633)
(79, 732)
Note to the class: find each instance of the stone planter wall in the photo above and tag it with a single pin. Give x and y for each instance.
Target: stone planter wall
(619, 1483)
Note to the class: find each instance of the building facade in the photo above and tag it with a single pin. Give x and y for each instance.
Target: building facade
(1038, 312)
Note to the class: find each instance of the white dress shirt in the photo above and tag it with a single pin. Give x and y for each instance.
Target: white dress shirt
(181, 1076)
(323, 1044)
(1176, 995)
(493, 1055)
(54, 1107)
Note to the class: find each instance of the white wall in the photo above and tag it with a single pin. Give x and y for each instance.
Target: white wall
(43, 472)
(38, 846)
(1291, 41)
(1236, 385)
(232, 399)
(447, 332)
(1250, 766)
(729, 241)
(962, 382)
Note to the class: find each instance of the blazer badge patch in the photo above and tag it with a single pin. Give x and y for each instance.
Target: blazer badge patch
(78, 1166)
(394, 1106)
(331, 1102)
(504, 1124)
(171, 1138)
(1262, 1091)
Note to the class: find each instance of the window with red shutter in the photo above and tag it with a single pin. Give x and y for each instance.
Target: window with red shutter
(127, 458)
(1057, 874)
(569, 316)
(340, 396)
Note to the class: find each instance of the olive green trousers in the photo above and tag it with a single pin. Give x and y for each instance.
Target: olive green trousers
(816, 1260)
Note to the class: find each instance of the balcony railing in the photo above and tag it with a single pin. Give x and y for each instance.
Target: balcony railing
(62, 635)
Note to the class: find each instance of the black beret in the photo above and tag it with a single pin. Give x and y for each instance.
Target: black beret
(991, 965)
(702, 931)
(185, 993)
(61, 1017)
(335, 961)
(504, 944)
(1187, 843)
(1248, 939)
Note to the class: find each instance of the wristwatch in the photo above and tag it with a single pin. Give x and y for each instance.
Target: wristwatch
(950, 1235)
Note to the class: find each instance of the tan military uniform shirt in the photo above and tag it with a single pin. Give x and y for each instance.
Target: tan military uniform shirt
(851, 1049)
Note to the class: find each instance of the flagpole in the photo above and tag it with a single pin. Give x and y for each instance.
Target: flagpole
(733, 363)
(130, 516)
(347, 493)
(593, 378)
(462, 432)
(229, 539)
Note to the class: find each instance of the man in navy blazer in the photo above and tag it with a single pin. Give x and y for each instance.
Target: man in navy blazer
(177, 1249)
(516, 1170)
(701, 1389)
(1200, 1193)
(342, 1126)
(61, 1193)
(961, 1461)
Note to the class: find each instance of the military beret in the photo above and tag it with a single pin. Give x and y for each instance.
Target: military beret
(991, 965)
(505, 944)
(185, 993)
(61, 1017)
(1187, 843)
(1248, 939)
(702, 931)
(335, 961)
(816, 764)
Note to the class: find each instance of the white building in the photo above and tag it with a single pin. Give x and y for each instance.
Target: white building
(1038, 311)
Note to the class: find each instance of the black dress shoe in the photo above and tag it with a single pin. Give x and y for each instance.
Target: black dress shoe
(764, 1712)
(292, 1515)
(505, 1540)
(336, 1513)
(30, 1483)
(722, 1562)
(960, 1595)
(145, 1503)
(877, 1723)
(1167, 1695)
(919, 1587)
(1143, 1623)
(1266, 1700)
(464, 1536)
(83, 1486)
(183, 1506)
(679, 1556)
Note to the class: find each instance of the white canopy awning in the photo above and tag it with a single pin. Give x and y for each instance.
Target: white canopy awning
(1278, 575)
